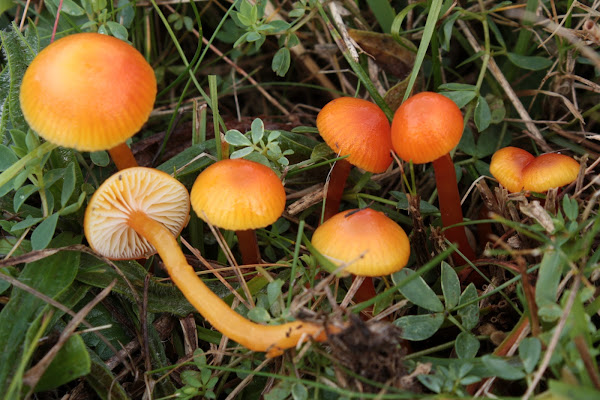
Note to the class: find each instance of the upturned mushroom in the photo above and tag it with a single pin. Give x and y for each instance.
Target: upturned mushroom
(90, 92)
(139, 210)
(425, 128)
(239, 195)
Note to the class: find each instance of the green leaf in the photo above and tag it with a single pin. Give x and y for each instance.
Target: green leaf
(118, 30)
(533, 63)
(237, 138)
(281, 61)
(466, 345)
(469, 314)
(548, 278)
(501, 368)
(483, 115)
(259, 314)
(7, 157)
(424, 206)
(104, 383)
(530, 350)
(6, 5)
(26, 223)
(71, 362)
(51, 276)
(419, 327)
(69, 7)
(450, 286)
(299, 391)
(71, 208)
(258, 130)
(241, 153)
(42, 235)
(22, 195)
(18, 52)
(68, 185)
(571, 208)
(461, 98)
(417, 291)
(563, 390)
(100, 158)
(274, 290)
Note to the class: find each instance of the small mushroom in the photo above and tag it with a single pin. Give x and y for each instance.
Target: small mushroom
(239, 195)
(90, 92)
(369, 242)
(425, 128)
(549, 171)
(359, 129)
(140, 209)
(507, 167)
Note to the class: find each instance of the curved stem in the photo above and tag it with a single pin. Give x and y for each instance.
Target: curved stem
(248, 246)
(272, 339)
(445, 178)
(335, 187)
(122, 156)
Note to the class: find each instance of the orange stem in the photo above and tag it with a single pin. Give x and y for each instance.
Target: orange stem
(335, 188)
(248, 246)
(445, 178)
(272, 339)
(122, 156)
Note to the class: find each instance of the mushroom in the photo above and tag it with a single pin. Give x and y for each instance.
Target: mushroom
(141, 209)
(359, 129)
(370, 243)
(549, 171)
(90, 92)
(239, 195)
(507, 167)
(425, 128)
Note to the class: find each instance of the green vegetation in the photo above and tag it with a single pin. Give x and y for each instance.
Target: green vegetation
(521, 320)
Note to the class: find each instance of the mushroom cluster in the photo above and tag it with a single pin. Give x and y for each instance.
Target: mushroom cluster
(517, 169)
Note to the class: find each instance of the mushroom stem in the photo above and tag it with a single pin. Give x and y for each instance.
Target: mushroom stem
(272, 339)
(335, 187)
(122, 156)
(248, 246)
(445, 178)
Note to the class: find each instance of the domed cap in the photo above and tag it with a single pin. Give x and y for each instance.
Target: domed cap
(425, 127)
(147, 190)
(88, 91)
(371, 243)
(549, 171)
(507, 167)
(359, 129)
(238, 194)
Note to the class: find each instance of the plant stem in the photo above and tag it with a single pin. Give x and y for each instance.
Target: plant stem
(248, 245)
(272, 339)
(14, 169)
(122, 156)
(335, 188)
(450, 208)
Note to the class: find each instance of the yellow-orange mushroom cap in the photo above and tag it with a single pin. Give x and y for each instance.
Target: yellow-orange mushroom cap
(425, 127)
(88, 91)
(549, 171)
(359, 129)
(143, 190)
(371, 243)
(507, 167)
(238, 194)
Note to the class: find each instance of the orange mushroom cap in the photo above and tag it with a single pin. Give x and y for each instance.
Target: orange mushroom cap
(507, 167)
(238, 194)
(88, 91)
(549, 171)
(359, 129)
(425, 127)
(147, 190)
(371, 243)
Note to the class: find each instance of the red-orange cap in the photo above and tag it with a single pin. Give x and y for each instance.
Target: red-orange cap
(147, 190)
(88, 91)
(367, 240)
(425, 127)
(507, 167)
(359, 129)
(549, 171)
(238, 194)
